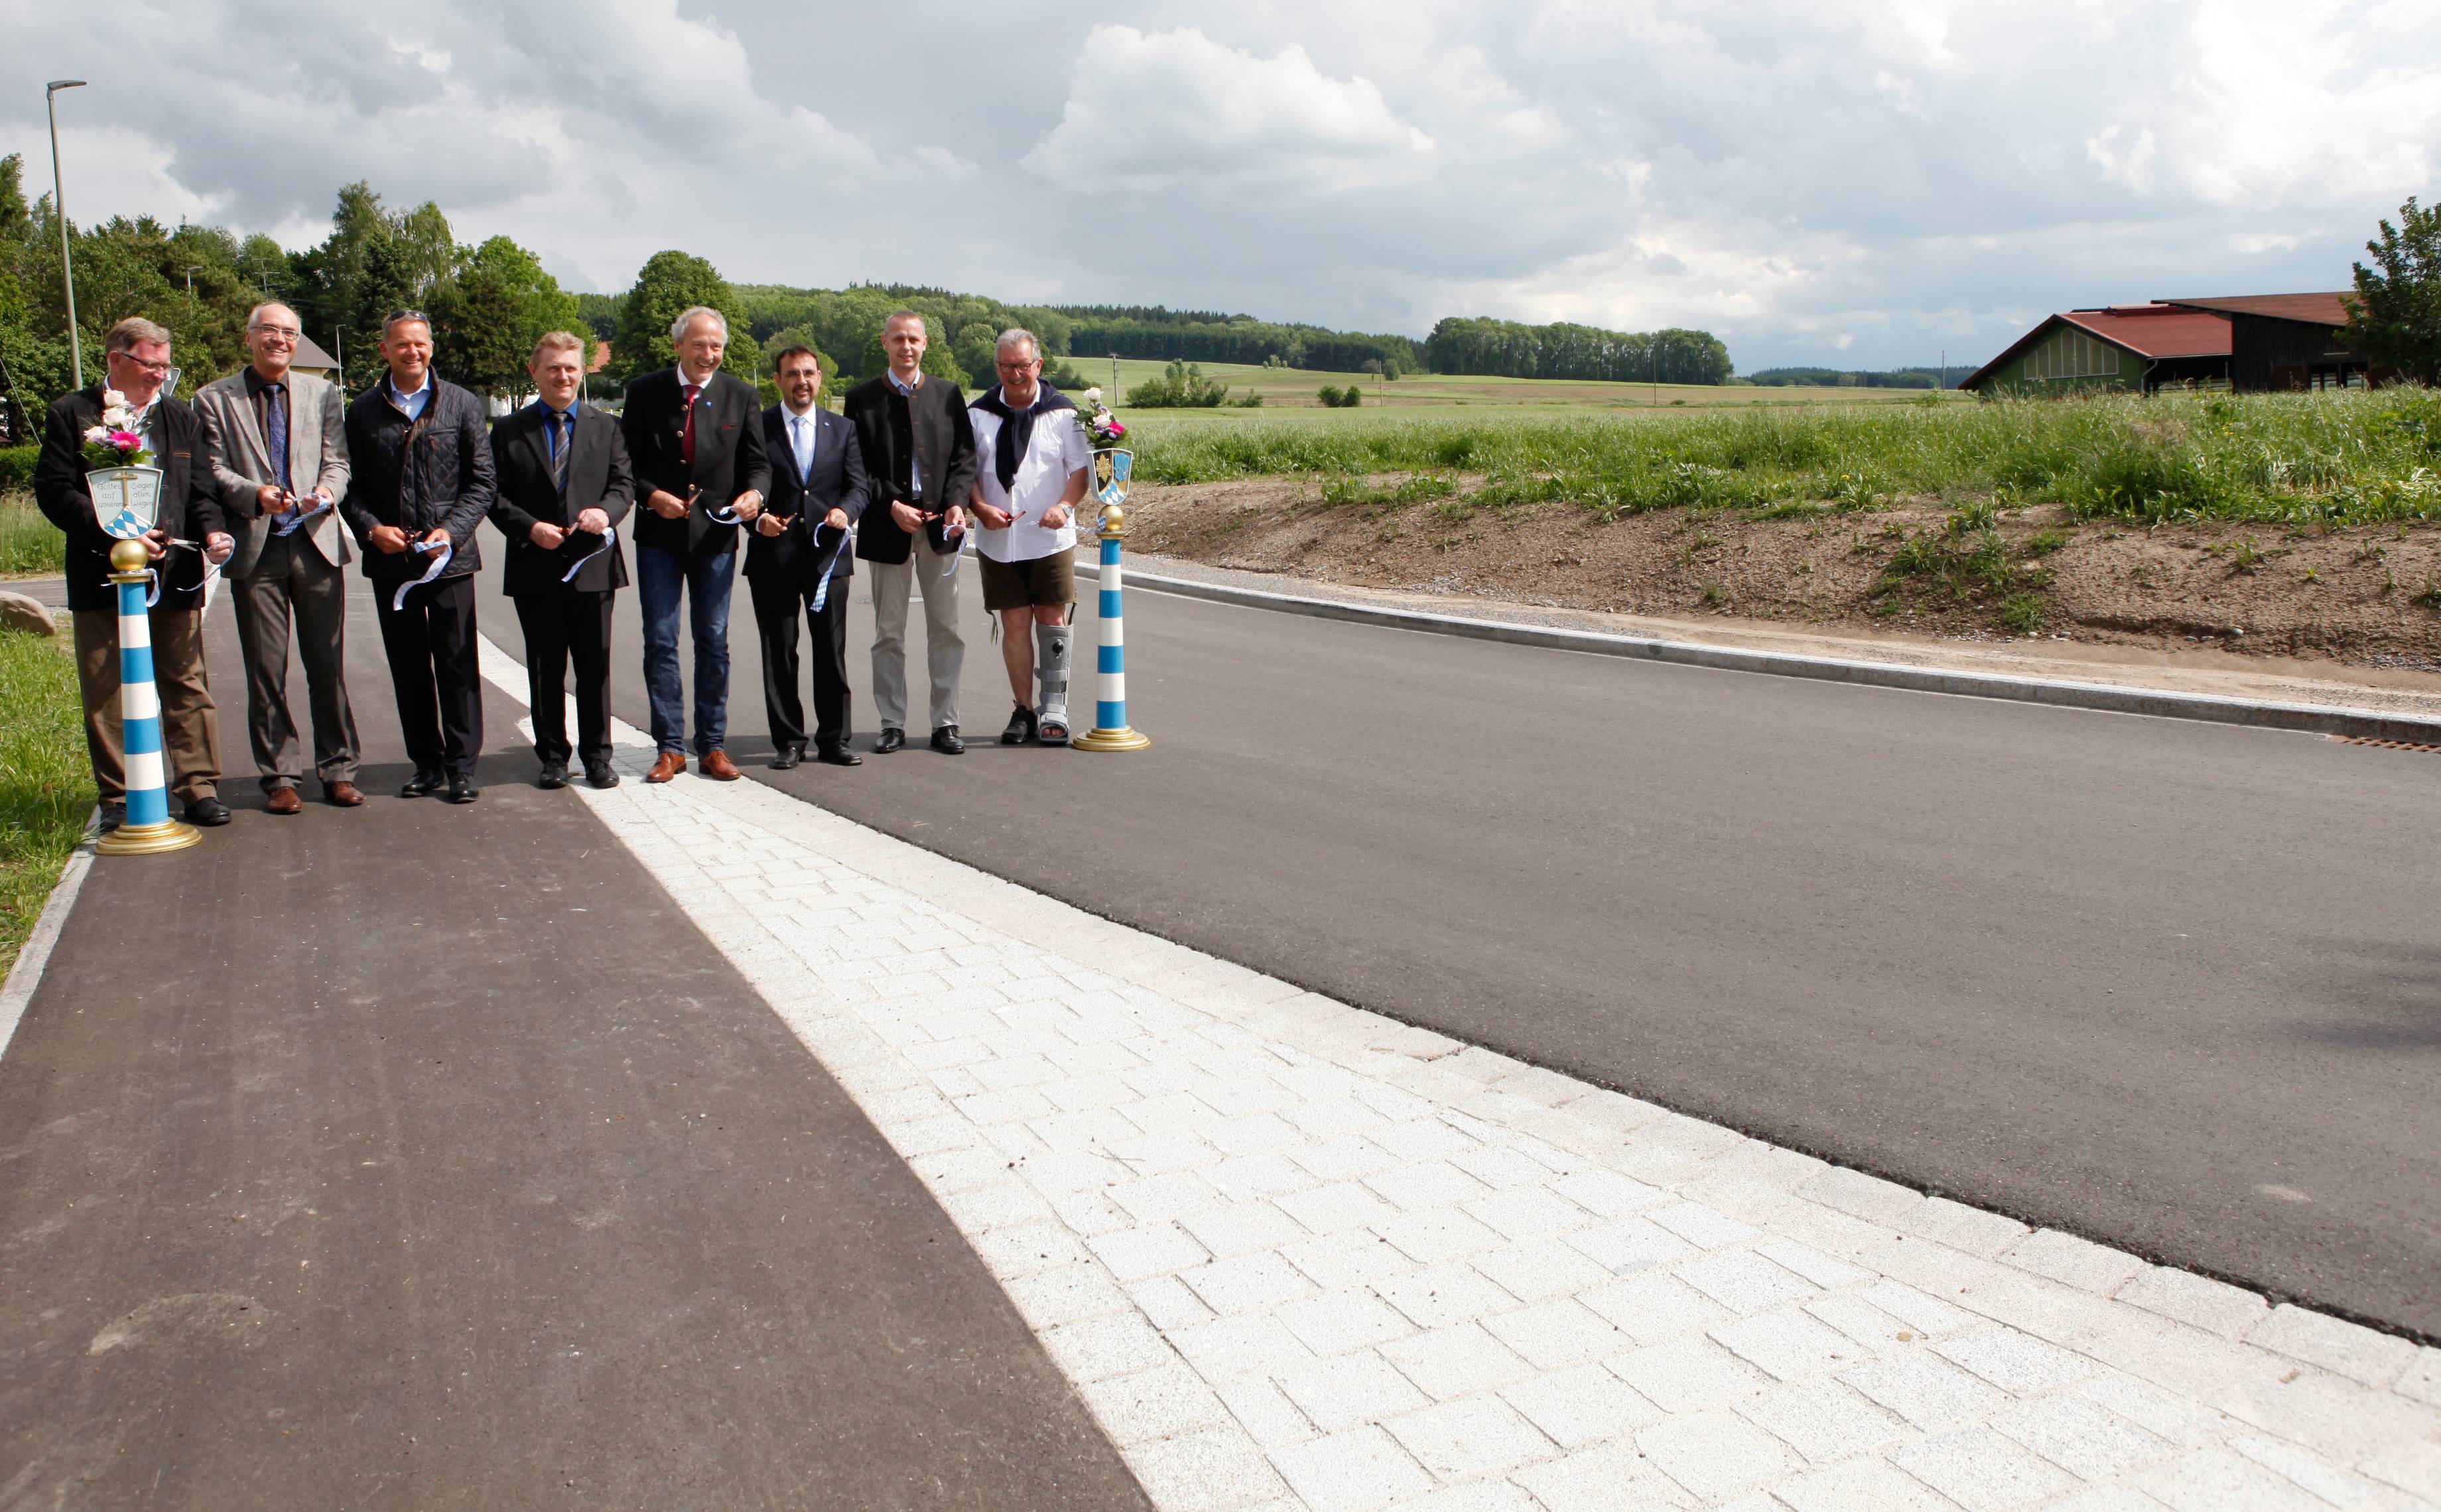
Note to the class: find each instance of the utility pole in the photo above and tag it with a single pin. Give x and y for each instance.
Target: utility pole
(60, 208)
(190, 281)
(1115, 377)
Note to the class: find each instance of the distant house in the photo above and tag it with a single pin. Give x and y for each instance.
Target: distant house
(2134, 347)
(2287, 341)
(311, 359)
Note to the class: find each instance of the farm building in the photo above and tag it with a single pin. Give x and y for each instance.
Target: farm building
(2138, 346)
(2280, 341)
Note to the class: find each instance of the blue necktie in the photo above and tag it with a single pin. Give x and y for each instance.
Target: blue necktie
(275, 432)
(559, 422)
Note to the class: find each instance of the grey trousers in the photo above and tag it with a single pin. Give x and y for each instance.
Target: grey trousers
(291, 582)
(945, 647)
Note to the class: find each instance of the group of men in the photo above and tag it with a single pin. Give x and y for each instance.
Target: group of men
(273, 481)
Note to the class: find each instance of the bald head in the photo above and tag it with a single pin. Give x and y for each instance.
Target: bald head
(271, 333)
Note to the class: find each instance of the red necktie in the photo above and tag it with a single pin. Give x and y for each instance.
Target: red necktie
(686, 438)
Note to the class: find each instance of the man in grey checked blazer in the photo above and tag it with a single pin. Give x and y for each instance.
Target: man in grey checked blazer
(279, 456)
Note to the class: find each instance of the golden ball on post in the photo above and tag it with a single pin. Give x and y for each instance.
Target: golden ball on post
(1114, 520)
(130, 556)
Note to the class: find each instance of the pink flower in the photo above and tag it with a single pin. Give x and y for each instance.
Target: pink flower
(126, 441)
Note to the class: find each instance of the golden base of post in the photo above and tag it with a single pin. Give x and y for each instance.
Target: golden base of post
(147, 840)
(1120, 739)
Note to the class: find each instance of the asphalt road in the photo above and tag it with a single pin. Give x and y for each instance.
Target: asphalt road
(429, 1157)
(2174, 986)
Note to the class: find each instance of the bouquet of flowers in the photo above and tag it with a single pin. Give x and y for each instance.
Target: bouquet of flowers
(1102, 428)
(114, 443)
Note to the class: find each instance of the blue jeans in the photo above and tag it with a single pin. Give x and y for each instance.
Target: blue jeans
(706, 578)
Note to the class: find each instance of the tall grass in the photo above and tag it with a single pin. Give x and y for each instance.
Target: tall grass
(31, 546)
(46, 783)
(2343, 458)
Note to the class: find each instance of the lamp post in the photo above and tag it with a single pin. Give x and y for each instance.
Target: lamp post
(190, 281)
(60, 208)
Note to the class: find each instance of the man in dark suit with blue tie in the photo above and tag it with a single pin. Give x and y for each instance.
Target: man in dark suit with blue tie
(565, 487)
(800, 555)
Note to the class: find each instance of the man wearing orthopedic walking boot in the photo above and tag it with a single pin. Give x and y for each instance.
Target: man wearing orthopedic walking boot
(1034, 460)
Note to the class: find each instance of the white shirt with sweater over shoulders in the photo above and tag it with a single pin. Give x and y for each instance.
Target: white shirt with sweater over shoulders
(1057, 449)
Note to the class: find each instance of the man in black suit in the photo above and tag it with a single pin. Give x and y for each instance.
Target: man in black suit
(137, 356)
(565, 486)
(919, 448)
(694, 438)
(797, 559)
(420, 480)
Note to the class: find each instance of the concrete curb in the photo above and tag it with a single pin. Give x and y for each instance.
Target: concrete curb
(2366, 723)
(28, 973)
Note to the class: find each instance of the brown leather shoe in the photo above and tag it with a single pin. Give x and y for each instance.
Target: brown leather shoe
(342, 794)
(669, 765)
(283, 800)
(716, 766)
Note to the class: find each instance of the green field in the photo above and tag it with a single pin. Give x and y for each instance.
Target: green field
(2344, 458)
(31, 546)
(46, 786)
(1292, 393)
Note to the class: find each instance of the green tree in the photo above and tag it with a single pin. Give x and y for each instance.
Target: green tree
(489, 312)
(1182, 385)
(2394, 319)
(669, 283)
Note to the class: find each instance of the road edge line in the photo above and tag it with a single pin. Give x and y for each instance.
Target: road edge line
(2365, 724)
(26, 974)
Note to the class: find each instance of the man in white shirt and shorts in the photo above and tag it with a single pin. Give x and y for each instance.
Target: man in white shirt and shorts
(1032, 460)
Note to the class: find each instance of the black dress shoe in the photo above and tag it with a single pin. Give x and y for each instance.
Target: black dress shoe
(1020, 727)
(601, 776)
(945, 740)
(839, 756)
(554, 777)
(208, 812)
(891, 740)
(462, 788)
(113, 816)
(787, 759)
(423, 785)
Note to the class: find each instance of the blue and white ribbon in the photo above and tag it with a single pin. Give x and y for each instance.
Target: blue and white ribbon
(830, 565)
(725, 514)
(440, 565)
(289, 523)
(609, 539)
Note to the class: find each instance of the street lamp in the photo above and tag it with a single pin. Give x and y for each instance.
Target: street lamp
(190, 281)
(60, 208)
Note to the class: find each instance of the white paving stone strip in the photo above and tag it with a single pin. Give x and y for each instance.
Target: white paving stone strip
(1293, 1254)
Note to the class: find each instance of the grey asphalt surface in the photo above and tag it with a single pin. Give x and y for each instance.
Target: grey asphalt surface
(2173, 986)
(427, 1157)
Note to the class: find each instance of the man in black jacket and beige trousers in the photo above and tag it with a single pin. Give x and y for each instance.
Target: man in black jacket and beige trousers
(564, 487)
(420, 470)
(919, 449)
(137, 356)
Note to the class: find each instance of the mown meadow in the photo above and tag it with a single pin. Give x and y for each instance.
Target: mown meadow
(2348, 458)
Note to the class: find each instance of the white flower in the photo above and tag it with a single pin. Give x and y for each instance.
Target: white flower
(1093, 397)
(119, 418)
(113, 397)
(96, 434)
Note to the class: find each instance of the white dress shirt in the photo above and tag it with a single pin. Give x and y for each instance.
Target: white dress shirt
(1056, 450)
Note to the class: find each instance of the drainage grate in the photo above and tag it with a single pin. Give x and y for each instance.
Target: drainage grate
(2384, 744)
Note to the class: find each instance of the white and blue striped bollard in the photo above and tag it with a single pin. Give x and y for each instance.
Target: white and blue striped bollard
(148, 827)
(1110, 731)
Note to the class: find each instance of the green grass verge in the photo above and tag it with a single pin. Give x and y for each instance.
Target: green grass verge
(45, 783)
(2344, 458)
(31, 546)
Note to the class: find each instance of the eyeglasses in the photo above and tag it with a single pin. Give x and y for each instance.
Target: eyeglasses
(1019, 367)
(397, 316)
(157, 370)
(284, 332)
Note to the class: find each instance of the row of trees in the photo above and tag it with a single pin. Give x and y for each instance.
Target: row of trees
(1161, 336)
(1508, 350)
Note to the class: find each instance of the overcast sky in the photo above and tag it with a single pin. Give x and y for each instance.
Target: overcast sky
(1848, 182)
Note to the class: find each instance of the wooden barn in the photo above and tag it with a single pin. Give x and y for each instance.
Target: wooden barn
(2287, 341)
(2134, 347)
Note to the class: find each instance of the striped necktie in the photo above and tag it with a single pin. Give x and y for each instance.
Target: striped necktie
(562, 424)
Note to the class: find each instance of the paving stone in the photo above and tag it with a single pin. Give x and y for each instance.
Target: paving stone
(1450, 1362)
(1580, 1406)
(1790, 1343)
(1702, 1227)
(1135, 1254)
(1861, 1196)
(1169, 1304)
(1268, 1417)
(1476, 1436)
(1119, 1344)
(1474, 1496)
(1346, 1390)
(2349, 1349)
(1861, 1485)
(1655, 1308)
(1928, 1392)
(1161, 1402)
(1538, 1268)
(1631, 1244)
(1822, 1420)
(1558, 1333)
(1438, 1296)
(2074, 1262)
(2082, 1437)
(1744, 1280)
(1983, 1472)
(1338, 1206)
(2218, 1480)
(1247, 1283)
(2421, 1379)
(1243, 1227)
(1219, 1468)
(1228, 1347)
(1431, 1236)
(1336, 1322)
(1959, 1227)
(1606, 1478)
(2217, 1306)
(1351, 1471)
(1715, 1455)
(1689, 1375)
(2016, 1362)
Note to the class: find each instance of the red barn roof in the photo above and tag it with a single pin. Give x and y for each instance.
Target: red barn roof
(2150, 331)
(2310, 309)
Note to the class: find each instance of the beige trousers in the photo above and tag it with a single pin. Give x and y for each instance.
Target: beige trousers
(945, 646)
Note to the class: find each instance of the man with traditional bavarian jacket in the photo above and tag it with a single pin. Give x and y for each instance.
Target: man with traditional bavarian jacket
(420, 460)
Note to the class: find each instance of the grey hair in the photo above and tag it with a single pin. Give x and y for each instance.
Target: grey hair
(896, 316)
(691, 315)
(254, 316)
(1013, 335)
(133, 333)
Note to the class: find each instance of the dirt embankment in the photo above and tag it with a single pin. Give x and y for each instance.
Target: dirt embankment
(2365, 596)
